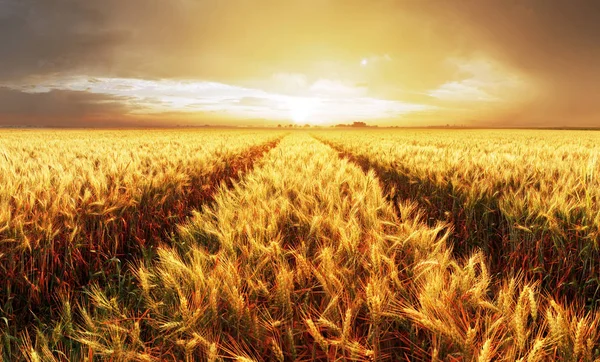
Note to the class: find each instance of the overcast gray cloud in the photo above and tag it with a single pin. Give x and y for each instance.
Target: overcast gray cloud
(555, 43)
(49, 36)
(62, 108)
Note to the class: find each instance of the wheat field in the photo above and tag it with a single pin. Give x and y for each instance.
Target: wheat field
(299, 245)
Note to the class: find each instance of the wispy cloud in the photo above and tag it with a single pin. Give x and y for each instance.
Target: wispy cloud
(467, 90)
(479, 80)
(320, 101)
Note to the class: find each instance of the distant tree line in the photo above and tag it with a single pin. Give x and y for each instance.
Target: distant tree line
(354, 124)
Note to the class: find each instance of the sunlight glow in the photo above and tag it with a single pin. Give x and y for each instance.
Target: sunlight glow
(302, 110)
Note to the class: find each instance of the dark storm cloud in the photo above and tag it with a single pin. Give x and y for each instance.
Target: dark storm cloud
(61, 108)
(49, 36)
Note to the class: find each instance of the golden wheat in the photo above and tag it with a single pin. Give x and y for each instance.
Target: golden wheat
(308, 257)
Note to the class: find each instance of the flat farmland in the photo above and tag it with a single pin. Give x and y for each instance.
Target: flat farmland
(268, 245)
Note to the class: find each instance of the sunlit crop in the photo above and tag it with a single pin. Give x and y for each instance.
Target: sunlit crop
(329, 245)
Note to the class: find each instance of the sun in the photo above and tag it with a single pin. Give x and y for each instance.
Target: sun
(302, 110)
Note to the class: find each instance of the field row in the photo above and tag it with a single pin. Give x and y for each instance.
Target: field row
(528, 199)
(76, 206)
(306, 259)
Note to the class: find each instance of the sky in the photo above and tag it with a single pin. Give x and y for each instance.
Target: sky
(501, 63)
